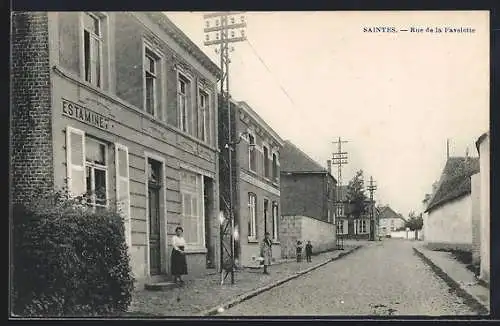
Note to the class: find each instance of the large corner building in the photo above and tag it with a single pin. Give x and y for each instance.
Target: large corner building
(120, 105)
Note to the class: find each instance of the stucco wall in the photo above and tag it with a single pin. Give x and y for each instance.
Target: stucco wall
(290, 232)
(450, 225)
(484, 163)
(321, 234)
(410, 235)
(293, 228)
(476, 217)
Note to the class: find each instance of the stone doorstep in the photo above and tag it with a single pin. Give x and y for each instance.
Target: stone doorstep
(160, 286)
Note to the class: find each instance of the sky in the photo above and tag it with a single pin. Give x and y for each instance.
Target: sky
(395, 97)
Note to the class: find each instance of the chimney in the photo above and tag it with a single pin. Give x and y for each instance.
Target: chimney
(329, 165)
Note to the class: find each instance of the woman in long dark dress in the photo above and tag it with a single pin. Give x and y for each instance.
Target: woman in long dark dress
(178, 257)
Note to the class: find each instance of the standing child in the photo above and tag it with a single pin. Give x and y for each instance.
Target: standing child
(309, 250)
(299, 251)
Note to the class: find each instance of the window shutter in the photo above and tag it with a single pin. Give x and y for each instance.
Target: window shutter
(75, 161)
(123, 189)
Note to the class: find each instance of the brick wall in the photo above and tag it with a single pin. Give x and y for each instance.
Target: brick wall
(31, 128)
(303, 194)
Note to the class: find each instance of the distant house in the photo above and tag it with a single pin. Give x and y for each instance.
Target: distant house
(449, 212)
(348, 226)
(307, 201)
(389, 221)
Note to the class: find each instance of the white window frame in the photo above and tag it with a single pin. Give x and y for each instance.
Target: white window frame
(124, 204)
(252, 215)
(94, 166)
(101, 17)
(205, 113)
(276, 177)
(275, 211)
(157, 98)
(188, 100)
(251, 151)
(69, 162)
(362, 228)
(340, 210)
(199, 194)
(266, 161)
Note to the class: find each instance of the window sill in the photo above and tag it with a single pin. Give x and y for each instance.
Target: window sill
(195, 250)
(252, 240)
(276, 242)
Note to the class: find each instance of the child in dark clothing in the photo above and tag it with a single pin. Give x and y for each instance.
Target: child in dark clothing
(299, 251)
(309, 249)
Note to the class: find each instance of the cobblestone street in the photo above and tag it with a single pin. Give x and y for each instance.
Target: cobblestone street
(205, 293)
(385, 279)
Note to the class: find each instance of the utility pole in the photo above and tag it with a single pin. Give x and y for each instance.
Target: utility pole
(371, 188)
(222, 29)
(339, 158)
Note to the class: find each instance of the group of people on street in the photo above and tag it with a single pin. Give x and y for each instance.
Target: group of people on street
(178, 256)
(308, 251)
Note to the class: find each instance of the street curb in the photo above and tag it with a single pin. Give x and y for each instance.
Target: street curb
(214, 311)
(470, 300)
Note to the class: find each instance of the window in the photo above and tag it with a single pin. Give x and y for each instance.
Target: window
(252, 215)
(184, 102)
(192, 208)
(275, 221)
(340, 227)
(275, 167)
(92, 49)
(87, 168)
(251, 153)
(204, 111)
(266, 162)
(362, 226)
(340, 210)
(96, 172)
(151, 74)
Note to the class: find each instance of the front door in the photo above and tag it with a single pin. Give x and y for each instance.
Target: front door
(154, 220)
(207, 200)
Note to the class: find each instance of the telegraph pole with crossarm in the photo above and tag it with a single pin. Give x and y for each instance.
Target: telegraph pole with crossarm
(371, 188)
(340, 159)
(222, 29)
